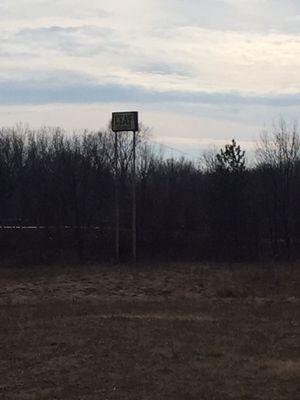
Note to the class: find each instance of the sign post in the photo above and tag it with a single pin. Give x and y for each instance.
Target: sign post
(124, 122)
(133, 200)
(117, 208)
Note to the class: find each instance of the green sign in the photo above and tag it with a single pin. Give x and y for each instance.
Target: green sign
(125, 121)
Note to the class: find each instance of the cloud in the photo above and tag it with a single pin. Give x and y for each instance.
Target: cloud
(186, 58)
(76, 88)
(35, 9)
(72, 41)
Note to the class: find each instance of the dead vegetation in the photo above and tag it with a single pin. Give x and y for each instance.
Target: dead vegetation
(160, 332)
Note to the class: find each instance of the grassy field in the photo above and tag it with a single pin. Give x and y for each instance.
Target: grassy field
(161, 332)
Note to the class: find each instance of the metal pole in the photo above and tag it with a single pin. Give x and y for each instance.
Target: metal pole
(133, 200)
(117, 210)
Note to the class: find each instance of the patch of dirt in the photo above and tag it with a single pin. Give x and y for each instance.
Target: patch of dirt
(163, 332)
(146, 283)
(289, 367)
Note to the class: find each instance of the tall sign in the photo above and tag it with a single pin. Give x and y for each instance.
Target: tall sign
(125, 122)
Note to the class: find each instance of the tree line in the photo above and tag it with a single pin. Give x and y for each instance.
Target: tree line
(57, 198)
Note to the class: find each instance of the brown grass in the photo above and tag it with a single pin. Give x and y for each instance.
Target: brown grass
(160, 332)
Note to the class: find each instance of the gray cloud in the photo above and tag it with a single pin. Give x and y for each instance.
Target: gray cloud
(86, 41)
(34, 9)
(76, 88)
(254, 15)
(162, 68)
(238, 15)
(72, 41)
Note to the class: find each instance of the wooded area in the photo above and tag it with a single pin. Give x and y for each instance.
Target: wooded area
(57, 198)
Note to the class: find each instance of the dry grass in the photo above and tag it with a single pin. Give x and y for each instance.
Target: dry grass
(166, 332)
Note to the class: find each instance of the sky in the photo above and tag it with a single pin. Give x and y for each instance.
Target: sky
(200, 72)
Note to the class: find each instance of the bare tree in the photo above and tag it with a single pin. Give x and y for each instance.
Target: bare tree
(278, 154)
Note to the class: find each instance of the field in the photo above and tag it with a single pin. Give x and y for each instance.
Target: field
(150, 332)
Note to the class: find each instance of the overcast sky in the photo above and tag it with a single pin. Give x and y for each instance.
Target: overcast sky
(200, 72)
